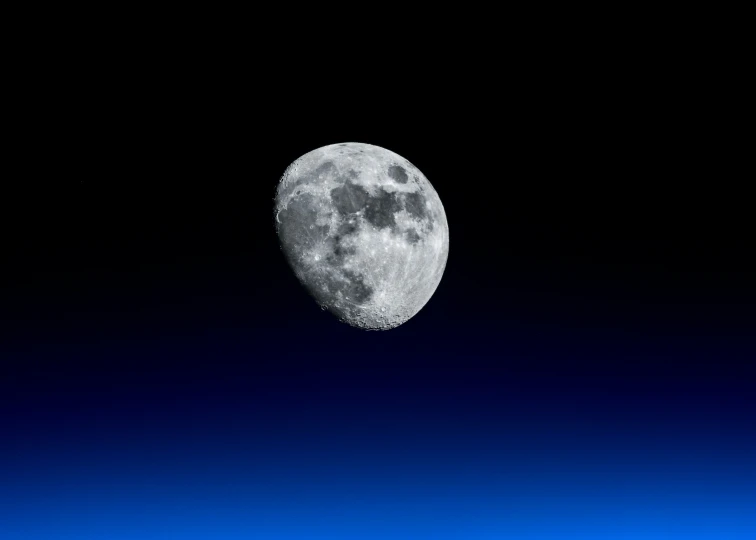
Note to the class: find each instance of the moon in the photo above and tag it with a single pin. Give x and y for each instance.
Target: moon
(364, 232)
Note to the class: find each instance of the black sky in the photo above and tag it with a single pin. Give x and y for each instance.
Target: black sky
(604, 174)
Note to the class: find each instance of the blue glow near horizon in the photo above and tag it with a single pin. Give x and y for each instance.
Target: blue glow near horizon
(379, 453)
(186, 490)
(147, 515)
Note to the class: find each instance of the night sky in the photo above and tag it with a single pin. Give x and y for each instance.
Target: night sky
(585, 370)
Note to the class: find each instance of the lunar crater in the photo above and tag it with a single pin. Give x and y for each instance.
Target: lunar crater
(398, 173)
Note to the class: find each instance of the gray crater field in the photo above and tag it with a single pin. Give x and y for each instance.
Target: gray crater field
(364, 232)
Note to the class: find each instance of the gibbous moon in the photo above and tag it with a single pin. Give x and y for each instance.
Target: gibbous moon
(364, 232)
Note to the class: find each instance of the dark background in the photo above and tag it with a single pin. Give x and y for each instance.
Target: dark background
(584, 370)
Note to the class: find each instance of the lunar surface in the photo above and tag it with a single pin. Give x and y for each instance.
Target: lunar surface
(364, 231)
